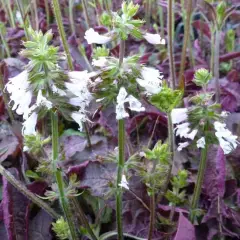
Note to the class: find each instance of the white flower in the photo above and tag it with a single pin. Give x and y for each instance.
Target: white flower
(151, 80)
(179, 115)
(182, 145)
(224, 114)
(100, 62)
(94, 37)
(201, 142)
(42, 101)
(60, 92)
(227, 140)
(124, 183)
(29, 125)
(122, 98)
(183, 130)
(20, 93)
(79, 117)
(154, 38)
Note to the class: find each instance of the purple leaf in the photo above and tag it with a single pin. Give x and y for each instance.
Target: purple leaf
(185, 230)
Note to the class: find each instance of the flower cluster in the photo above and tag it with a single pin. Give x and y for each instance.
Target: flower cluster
(225, 138)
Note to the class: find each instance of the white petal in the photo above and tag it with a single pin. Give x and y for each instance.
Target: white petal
(94, 37)
(79, 118)
(192, 134)
(100, 62)
(154, 38)
(182, 145)
(179, 115)
(124, 183)
(121, 98)
(201, 143)
(42, 101)
(121, 112)
(29, 126)
(134, 104)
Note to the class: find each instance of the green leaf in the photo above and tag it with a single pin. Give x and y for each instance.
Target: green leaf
(72, 132)
(31, 174)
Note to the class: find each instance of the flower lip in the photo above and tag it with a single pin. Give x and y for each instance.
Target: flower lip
(154, 39)
(94, 37)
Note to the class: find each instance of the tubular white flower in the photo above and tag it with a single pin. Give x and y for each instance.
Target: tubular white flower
(42, 101)
(154, 38)
(201, 142)
(227, 140)
(60, 92)
(29, 125)
(122, 98)
(100, 62)
(182, 145)
(79, 117)
(151, 80)
(20, 93)
(94, 37)
(179, 115)
(124, 183)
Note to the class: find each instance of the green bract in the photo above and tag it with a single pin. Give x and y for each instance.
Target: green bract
(100, 52)
(202, 77)
(60, 227)
(167, 99)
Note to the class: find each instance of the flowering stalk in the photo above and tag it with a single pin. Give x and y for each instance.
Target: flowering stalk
(10, 14)
(198, 186)
(148, 12)
(36, 14)
(4, 42)
(121, 136)
(170, 45)
(152, 215)
(58, 175)
(31, 196)
(58, 16)
(47, 12)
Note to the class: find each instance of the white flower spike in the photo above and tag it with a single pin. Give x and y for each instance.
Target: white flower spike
(151, 80)
(124, 183)
(94, 37)
(154, 39)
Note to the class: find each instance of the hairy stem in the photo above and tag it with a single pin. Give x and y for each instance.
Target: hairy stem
(59, 179)
(186, 38)
(23, 189)
(47, 11)
(58, 16)
(85, 10)
(71, 19)
(216, 65)
(121, 136)
(170, 44)
(198, 185)
(152, 216)
(171, 150)
(25, 25)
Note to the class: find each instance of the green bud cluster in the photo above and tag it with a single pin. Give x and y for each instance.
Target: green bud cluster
(167, 99)
(60, 227)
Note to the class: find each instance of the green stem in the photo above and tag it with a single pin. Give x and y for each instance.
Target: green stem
(31, 196)
(148, 12)
(216, 64)
(58, 175)
(121, 136)
(152, 215)
(4, 42)
(47, 12)
(161, 19)
(85, 10)
(171, 150)
(212, 50)
(10, 13)
(198, 185)
(58, 16)
(71, 17)
(23, 19)
(170, 44)
(186, 38)
(5, 99)
(36, 14)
